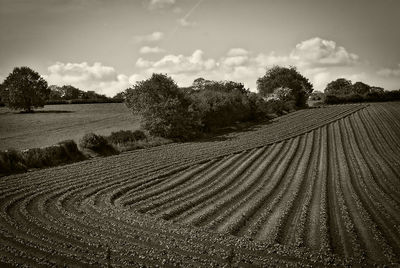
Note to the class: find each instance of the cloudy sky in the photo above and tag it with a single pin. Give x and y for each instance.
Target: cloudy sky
(109, 45)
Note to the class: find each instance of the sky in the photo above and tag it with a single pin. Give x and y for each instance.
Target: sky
(108, 46)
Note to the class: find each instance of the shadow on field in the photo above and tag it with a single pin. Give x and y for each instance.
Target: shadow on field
(229, 133)
(48, 112)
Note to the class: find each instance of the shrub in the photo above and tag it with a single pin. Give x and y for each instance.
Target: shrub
(11, 161)
(97, 144)
(289, 106)
(92, 141)
(163, 107)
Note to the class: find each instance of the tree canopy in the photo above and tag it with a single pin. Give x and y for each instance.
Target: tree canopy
(162, 106)
(340, 86)
(283, 77)
(24, 89)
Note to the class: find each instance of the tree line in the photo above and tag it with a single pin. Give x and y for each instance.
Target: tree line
(183, 113)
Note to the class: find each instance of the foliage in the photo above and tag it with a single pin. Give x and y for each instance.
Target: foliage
(92, 141)
(369, 97)
(282, 77)
(284, 94)
(340, 86)
(360, 88)
(24, 89)
(13, 161)
(163, 107)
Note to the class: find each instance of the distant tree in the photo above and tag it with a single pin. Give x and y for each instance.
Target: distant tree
(71, 92)
(119, 96)
(55, 92)
(283, 77)
(163, 107)
(376, 90)
(200, 83)
(361, 88)
(340, 86)
(24, 89)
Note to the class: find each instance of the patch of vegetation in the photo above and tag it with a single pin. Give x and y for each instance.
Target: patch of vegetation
(96, 145)
(343, 91)
(24, 89)
(187, 113)
(13, 161)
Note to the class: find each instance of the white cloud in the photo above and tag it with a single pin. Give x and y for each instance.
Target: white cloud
(97, 77)
(149, 50)
(153, 37)
(317, 52)
(387, 72)
(160, 4)
(317, 59)
(237, 52)
(185, 23)
(176, 64)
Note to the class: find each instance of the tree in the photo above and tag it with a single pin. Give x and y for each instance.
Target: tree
(55, 93)
(71, 92)
(282, 77)
(163, 107)
(376, 90)
(24, 89)
(361, 88)
(340, 86)
(284, 93)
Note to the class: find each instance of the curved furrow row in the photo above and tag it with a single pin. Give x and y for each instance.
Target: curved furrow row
(250, 181)
(381, 145)
(224, 181)
(292, 181)
(293, 232)
(379, 166)
(311, 184)
(371, 210)
(245, 211)
(373, 173)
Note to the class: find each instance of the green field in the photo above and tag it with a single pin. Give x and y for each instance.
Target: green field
(55, 123)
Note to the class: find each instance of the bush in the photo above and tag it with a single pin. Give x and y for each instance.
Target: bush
(163, 107)
(13, 161)
(97, 144)
(369, 97)
(63, 152)
(92, 141)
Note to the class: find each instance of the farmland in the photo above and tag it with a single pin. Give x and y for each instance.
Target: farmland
(56, 123)
(315, 187)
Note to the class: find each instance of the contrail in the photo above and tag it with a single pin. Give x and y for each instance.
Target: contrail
(186, 17)
(192, 9)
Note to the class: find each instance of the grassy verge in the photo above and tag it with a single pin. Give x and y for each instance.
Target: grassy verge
(13, 161)
(91, 145)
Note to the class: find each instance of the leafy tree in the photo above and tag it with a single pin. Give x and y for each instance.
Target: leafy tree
(119, 96)
(55, 93)
(277, 77)
(163, 107)
(71, 92)
(200, 83)
(340, 86)
(376, 90)
(284, 93)
(24, 89)
(361, 88)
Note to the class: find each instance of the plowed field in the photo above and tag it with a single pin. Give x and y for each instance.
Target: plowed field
(317, 187)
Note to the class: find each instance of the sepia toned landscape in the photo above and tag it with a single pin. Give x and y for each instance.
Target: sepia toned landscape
(230, 133)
